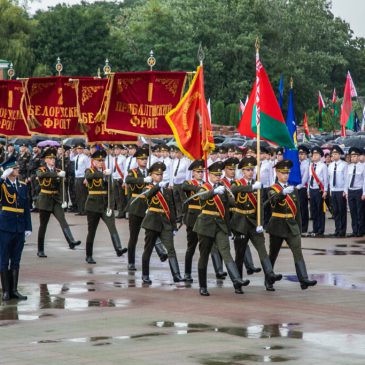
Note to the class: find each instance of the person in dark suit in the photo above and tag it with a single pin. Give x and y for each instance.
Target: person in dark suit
(15, 226)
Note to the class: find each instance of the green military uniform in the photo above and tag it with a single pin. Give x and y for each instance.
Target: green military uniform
(97, 207)
(159, 222)
(244, 223)
(285, 224)
(49, 202)
(212, 228)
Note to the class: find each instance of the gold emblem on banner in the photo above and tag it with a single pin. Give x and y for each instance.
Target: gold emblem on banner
(123, 84)
(87, 93)
(171, 85)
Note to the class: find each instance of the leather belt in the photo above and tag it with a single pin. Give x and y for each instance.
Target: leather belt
(157, 210)
(98, 192)
(15, 210)
(192, 206)
(246, 212)
(49, 192)
(134, 195)
(281, 215)
(210, 212)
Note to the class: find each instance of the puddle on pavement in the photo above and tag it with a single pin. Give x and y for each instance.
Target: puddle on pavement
(237, 358)
(332, 252)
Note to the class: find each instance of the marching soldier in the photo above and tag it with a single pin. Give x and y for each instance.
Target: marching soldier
(337, 174)
(98, 205)
(285, 222)
(15, 226)
(318, 186)
(159, 222)
(50, 200)
(212, 228)
(303, 152)
(34, 164)
(355, 192)
(244, 221)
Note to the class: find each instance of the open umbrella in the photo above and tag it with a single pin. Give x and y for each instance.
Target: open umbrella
(74, 141)
(48, 143)
(356, 141)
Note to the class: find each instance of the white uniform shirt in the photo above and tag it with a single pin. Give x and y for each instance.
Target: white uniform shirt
(322, 173)
(304, 173)
(120, 159)
(266, 173)
(359, 178)
(179, 170)
(130, 163)
(82, 162)
(341, 173)
(167, 173)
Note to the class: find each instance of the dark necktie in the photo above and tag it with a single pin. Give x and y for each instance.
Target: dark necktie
(144, 173)
(177, 167)
(77, 162)
(334, 174)
(115, 164)
(353, 177)
(14, 186)
(129, 163)
(312, 177)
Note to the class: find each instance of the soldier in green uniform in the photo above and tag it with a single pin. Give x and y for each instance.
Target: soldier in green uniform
(244, 221)
(285, 221)
(99, 204)
(159, 222)
(212, 228)
(49, 200)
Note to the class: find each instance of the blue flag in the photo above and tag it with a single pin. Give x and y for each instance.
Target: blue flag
(292, 154)
(281, 91)
(356, 123)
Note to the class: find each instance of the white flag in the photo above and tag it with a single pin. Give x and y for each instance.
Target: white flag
(363, 120)
(352, 86)
(209, 111)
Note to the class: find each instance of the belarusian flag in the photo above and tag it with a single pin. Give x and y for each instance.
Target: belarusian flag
(306, 129)
(347, 118)
(352, 86)
(272, 124)
(321, 106)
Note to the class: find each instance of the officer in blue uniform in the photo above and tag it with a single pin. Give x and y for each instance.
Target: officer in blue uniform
(15, 226)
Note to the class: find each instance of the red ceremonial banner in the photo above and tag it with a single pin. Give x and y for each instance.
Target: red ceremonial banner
(91, 98)
(50, 106)
(11, 120)
(139, 101)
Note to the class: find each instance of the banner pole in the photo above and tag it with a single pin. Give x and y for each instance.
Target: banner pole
(257, 101)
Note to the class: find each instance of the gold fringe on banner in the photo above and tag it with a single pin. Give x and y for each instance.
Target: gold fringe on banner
(81, 126)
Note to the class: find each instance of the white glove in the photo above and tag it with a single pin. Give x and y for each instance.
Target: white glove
(163, 184)
(147, 179)
(257, 185)
(219, 190)
(7, 172)
(259, 229)
(288, 190)
(107, 172)
(299, 186)
(27, 233)
(61, 173)
(174, 233)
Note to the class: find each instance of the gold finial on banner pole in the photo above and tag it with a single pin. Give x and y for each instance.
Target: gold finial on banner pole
(291, 82)
(107, 68)
(98, 73)
(11, 71)
(151, 61)
(257, 45)
(59, 66)
(201, 54)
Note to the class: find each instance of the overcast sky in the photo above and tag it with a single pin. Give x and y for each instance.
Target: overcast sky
(353, 11)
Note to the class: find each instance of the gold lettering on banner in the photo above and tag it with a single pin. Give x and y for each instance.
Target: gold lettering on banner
(10, 114)
(171, 85)
(123, 84)
(7, 125)
(88, 118)
(10, 99)
(57, 123)
(87, 92)
(53, 111)
(186, 108)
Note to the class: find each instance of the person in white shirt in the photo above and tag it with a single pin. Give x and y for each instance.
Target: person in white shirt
(131, 162)
(318, 187)
(165, 158)
(118, 181)
(337, 173)
(82, 162)
(303, 152)
(355, 192)
(213, 157)
(267, 179)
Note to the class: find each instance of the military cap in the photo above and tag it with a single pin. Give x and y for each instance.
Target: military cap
(80, 145)
(131, 146)
(49, 153)
(174, 148)
(156, 148)
(11, 144)
(117, 146)
(164, 147)
(99, 155)
(279, 151)
(317, 149)
(231, 162)
(216, 168)
(284, 166)
(215, 151)
(247, 163)
(251, 148)
(11, 163)
(66, 147)
(239, 150)
(145, 145)
(222, 149)
(355, 151)
(23, 145)
(142, 153)
(197, 165)
(337, 149)
(303, 149)
(264, 150)
(157, 167)
(231, 148)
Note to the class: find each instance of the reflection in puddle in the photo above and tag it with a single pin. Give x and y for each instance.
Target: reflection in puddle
(233, 358)
(332, 252)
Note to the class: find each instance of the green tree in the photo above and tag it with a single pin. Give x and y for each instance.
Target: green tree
(218, 112)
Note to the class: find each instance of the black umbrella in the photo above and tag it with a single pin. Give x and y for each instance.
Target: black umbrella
(253, 143)
(74, 141)
(358, 141)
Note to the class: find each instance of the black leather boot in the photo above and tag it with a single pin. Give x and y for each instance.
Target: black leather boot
(40, 252)
(188, 263)
(69, 238)
(235, 277)
(270, 276)
(14, 286)
(117, 245)
(218, 265)
(146, 273)
(203, 288)
(5, 284)
(248, 260)
(161, 250)
(303, 276)
(89, 253)
(132, 267)
(175, 271)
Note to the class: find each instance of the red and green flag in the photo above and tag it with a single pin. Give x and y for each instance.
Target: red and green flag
(306, 129)
(272, 123)
(321, 107)
(347, 117)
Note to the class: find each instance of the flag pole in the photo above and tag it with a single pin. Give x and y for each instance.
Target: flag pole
(257, 102)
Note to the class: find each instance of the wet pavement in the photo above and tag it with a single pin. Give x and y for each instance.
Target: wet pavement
(102, 314)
